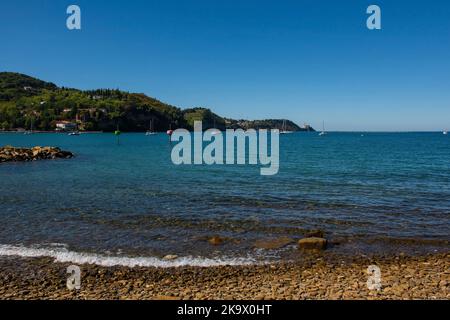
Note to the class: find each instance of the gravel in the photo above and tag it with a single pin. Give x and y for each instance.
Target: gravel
(318, 277)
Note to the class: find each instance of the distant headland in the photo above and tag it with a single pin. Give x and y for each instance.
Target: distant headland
(27, 103)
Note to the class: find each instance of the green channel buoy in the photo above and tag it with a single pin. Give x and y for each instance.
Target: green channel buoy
(117, 134)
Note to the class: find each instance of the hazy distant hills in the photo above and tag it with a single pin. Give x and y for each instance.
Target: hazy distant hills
(27, 102)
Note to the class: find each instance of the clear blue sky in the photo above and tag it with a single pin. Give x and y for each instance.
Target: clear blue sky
(304, 60)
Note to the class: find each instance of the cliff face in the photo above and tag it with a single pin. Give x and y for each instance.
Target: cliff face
(27, 102)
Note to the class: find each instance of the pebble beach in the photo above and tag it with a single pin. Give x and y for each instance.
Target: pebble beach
(321, 276)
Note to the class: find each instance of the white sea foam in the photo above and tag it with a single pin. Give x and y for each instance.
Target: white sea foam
(61, 254)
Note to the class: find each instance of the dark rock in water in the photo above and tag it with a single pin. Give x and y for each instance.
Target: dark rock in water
(315, 234)
(312, 243)
(216, 240)
(273, 243)
(9, 153)
(335, 242)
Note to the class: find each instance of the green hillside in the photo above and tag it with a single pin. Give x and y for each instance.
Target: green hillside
(27, 102)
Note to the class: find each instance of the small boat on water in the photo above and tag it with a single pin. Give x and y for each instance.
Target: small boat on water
(323, 132)
(74, 133)
(151, 131)
(31, 129)
(216, 131)
(283, 128)
(445, 132)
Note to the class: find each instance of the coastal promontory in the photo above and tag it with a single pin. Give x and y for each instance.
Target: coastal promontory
(27, 103)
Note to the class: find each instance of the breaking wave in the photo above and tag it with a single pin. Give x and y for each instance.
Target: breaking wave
(62, 254)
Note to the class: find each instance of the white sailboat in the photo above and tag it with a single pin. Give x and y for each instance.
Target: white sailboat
(283, 128)
(74, 132)
(31, 129)
(444, 132)
(323, 132)
(150, 131)
(216, 131)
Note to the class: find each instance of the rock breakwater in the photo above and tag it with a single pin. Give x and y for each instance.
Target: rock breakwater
(9, 153)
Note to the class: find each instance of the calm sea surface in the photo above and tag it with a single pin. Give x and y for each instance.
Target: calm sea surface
(367, 192)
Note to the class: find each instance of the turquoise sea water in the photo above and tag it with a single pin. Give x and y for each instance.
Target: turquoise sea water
(369, 192)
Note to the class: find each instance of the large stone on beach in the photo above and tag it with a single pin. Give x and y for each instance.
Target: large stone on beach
(312, 243)
(170, 257)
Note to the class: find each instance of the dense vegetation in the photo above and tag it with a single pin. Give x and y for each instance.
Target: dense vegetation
(26, 102)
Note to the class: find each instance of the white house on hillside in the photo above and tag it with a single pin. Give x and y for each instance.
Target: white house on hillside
(66, 126)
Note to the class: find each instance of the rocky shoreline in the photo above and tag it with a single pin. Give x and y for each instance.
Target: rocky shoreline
(9, 153)
(321, 276)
